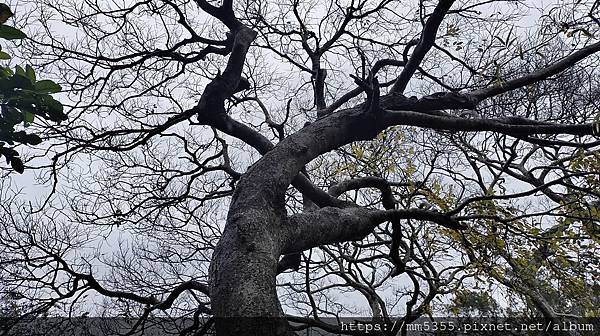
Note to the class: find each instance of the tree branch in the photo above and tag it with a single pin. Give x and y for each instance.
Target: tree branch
(333, 225)
(451, 123)
(425, 43)
(224, 13)
(538, 75)
(224, 85)
(228, 125)
(366, 182)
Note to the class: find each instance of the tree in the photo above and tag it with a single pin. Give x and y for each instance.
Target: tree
(22, 97)
(457, 146)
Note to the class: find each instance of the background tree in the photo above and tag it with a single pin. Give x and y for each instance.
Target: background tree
(380, 154)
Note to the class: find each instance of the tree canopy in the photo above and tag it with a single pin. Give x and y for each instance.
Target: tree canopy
(251, 163)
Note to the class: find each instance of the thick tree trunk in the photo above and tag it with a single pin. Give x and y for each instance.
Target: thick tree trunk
(244, 264)
(258, 230)
(243, 271)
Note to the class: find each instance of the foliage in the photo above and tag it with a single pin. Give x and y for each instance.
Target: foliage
(22, 97)
(473, 303)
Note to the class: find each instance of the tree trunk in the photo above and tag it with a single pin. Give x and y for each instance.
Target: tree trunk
(243, 270)
(244, 263)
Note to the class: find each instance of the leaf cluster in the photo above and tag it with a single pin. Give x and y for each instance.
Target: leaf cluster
(22, 98)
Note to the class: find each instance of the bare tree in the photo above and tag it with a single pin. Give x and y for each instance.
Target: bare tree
(381, 152)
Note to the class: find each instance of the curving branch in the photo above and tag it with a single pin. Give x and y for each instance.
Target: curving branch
(333, 225)
(388, 202)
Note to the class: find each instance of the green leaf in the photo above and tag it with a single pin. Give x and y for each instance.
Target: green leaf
(586, 32)
(55, 110)
(30, 73)
(17, 165)
(28, 139)
(7, 152)
(11, 33)
(5, 72)
(4, 56)
(20, 71)
(358, 152)
(47, 86)
(33, 139)
(8, 86)
(5, 13)
(11, 115)
(28, 117)
(21, 82)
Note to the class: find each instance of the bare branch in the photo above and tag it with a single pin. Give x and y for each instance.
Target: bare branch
(425, 43)
(538, 75)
